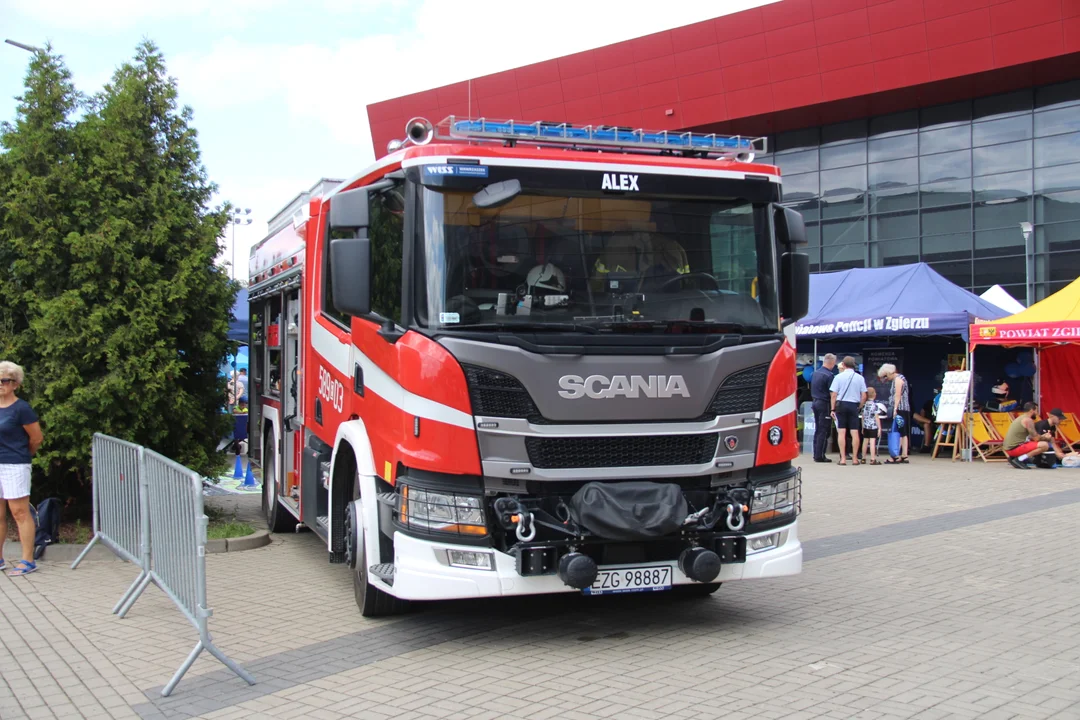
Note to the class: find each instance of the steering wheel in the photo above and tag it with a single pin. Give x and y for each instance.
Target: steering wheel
(681, 278)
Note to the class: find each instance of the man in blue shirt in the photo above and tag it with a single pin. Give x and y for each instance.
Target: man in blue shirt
(820, 382)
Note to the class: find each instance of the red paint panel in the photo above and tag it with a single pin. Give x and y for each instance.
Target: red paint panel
(935, 9)
(1072, 34)
(839, 28)
(793, 65)
(693, 36)
(743, 50)
(580, 86)
(700, 111)
(697, 60)
(577, 64)
(619, 78)
(849, 82)
(542, 73)
(620, 102)
(787, 13)
(731, 27)
(550, 113)
(781, 385)
(845, 54)
(701, 85)
(1027, 45)
(504, 105)
(791, 39)
(453, 94)
(631, 118)
(800, 92)
(419, 101)
(656, 118)
(957, 29)
(902, 71)
(610, 56)
(828, 8)
(541, 95)
(662, 68)
(585, 110)
(746, 75)
(496, 84)
(894, 43)
(962, 59)
(1070, 8)
(749, 102)
(386, 110)
(895, 14)
(661, 93)
(650, 47)
(1020, 14)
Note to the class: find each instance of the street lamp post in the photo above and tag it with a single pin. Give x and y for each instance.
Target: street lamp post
(23, 46)
(1029, 284)
(239, 216)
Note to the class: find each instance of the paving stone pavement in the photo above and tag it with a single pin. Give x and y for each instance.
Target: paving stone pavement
(935, 590)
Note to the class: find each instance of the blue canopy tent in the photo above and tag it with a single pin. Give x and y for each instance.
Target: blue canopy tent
(903, 300)
(238, 326)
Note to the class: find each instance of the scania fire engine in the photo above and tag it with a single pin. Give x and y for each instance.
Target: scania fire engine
(517, 358)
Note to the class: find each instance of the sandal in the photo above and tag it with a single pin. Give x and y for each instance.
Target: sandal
(22, 567)
(904, 459)
(892, 461)
(856, 462)
(875, 462)
(842, 462)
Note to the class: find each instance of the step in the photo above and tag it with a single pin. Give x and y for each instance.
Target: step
(383, 571)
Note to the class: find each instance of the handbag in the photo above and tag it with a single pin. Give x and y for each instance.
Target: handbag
(894, 435)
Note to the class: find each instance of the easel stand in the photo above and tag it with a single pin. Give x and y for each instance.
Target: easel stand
(950, 435)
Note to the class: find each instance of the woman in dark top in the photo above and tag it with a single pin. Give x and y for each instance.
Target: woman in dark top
(20, 438)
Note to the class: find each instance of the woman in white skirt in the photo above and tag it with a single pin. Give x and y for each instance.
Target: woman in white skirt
(20, 438)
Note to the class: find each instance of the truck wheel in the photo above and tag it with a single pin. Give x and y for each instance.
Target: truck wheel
(278, 518)
(372, 601)
(697, 590)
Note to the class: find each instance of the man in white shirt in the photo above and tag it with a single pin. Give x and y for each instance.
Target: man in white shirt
(847, 393)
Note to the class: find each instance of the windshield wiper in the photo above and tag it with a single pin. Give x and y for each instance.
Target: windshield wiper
(716, 325)
(524, 326)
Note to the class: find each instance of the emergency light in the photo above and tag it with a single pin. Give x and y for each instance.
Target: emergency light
(605, 136)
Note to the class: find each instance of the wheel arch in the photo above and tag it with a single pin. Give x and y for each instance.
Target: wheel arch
(352, 457)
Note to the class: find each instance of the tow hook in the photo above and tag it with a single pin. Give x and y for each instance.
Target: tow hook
(735, 516)
(526, 527)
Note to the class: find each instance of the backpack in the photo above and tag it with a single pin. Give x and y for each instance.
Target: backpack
(48, 525)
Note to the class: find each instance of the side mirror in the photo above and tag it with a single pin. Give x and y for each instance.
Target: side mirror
(349, 210)
(790, 228)
(350, 272)
(794, 285)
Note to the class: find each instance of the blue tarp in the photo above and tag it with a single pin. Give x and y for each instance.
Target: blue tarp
(238, 326)
(900, 300)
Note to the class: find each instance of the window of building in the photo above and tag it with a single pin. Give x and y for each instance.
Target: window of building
(797, 162)
(1058, 149)
(958, 272)
(1001, 131)
(1005, 185)
(945, 166)
(995, 106)
(843, 232)
(897, 198)
(895, 124)
(1000, 271)
(1055, 238)
(798, 140)
(997, 243)
(944, 139)
(1001, 158)
(894, 226)
(956, 246)
(1008, 212)
(843, 155)
(800, 187)
(1056, 96)
(944, 115)
(843, 132)
(894, 252)
(843, 258)
(1056, 122)
(948, 192)
(890, 148)
(946, 220)
(1057, 207)
(895, 173)
(1057, 179)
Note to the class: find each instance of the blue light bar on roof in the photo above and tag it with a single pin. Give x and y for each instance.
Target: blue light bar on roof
(547, 133)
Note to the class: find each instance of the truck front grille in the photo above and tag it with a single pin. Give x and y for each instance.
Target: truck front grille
(633, 451)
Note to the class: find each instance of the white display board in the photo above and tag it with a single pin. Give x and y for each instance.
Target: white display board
(954, 396)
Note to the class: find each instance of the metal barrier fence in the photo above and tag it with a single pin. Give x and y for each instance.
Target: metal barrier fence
(120, 522)
(164, 518)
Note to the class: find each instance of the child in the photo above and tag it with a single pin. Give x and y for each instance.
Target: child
(871, 426)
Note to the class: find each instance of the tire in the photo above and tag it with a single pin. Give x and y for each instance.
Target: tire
(278, 519)
(697, 590)
(371, 601)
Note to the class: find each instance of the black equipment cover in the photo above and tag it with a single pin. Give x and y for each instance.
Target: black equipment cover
(629, 510)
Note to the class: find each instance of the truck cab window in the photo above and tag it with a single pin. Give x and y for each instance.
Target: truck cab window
(386, 232)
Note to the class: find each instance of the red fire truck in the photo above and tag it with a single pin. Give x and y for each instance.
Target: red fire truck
(519, 358)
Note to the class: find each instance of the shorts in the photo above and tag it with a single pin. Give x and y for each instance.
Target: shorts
(848, 416)
(14, 481)
(902, 422)
(869, 433)
(1023, 448)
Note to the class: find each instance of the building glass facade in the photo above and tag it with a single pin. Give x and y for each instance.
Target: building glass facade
(947, 185)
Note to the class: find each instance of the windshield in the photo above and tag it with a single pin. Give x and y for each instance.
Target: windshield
(592, 262)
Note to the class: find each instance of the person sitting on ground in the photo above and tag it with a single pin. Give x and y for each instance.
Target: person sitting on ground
(871, 426)
(1022, 441)
(1049, 427)
(848, 393)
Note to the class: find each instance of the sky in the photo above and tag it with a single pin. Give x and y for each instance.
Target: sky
(279, 88)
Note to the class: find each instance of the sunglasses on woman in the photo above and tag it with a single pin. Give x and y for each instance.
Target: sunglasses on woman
(8, 381)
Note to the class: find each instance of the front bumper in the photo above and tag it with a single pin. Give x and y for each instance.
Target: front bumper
(421, 572)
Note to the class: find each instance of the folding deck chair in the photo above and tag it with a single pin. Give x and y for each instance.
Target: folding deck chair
(987, 443)
(1069, 431)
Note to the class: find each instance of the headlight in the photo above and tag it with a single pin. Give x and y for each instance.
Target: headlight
(774, 500)
(442, 511)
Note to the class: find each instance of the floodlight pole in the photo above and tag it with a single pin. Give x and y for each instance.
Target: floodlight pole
(237, 217)
(23, 46)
